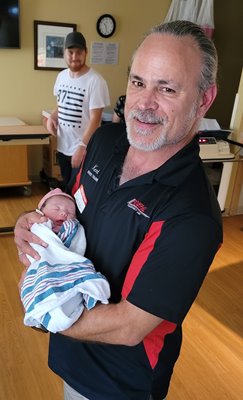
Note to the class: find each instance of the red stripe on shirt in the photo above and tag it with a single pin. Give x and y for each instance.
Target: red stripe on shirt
(141, 256)
(78, 177)
(154, 341)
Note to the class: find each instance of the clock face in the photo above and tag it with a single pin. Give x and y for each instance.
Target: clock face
(106, 25)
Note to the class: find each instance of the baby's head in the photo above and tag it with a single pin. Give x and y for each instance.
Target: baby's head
(58, 207)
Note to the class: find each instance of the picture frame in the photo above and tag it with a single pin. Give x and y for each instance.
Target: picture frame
(49, 40)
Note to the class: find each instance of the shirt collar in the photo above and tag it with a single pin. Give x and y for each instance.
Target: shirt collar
(180, 165)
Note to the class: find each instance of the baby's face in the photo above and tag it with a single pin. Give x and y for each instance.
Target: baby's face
(59, 209)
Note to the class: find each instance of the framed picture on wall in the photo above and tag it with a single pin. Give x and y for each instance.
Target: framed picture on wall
(49, 39)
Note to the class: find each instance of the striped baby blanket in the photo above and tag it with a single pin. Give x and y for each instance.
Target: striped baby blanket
(56, 288)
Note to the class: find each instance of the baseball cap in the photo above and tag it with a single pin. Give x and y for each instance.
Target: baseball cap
(75, 39)
(54, 192)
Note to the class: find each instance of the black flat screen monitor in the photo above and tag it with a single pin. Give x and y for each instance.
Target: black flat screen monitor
(9, 24)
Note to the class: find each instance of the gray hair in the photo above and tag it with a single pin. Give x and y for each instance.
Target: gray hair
(209, 53)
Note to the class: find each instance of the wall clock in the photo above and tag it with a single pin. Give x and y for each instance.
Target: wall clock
(106, 25)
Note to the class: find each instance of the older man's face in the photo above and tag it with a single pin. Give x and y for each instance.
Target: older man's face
(163, 105)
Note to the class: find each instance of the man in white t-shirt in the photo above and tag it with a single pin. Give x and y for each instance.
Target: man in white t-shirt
(81, 94)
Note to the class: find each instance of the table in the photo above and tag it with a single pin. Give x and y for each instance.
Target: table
(14, 140)
(15, 137)
(218, 151)
(224, 180)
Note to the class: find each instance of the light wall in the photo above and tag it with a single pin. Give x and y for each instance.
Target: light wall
(25, 92)
(228, 38)
(234, 201)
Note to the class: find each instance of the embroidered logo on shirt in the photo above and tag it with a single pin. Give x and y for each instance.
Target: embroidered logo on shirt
(96, 169)
(93, 172)
(137, 206)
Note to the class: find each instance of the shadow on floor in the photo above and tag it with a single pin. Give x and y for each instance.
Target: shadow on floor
(222, 296)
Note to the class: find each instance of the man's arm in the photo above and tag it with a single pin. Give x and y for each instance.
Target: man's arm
(94, 123)
(121, 323)
(52, 122)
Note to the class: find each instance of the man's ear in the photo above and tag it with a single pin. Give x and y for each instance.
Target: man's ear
(207, 100)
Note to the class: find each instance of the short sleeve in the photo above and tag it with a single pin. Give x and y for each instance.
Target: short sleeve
(167, 280)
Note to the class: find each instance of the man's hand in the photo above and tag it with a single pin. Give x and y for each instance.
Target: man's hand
(51, 125)
(94, 123)
(23, 237)
(78, 156)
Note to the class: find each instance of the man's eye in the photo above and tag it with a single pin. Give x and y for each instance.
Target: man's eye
(137, 83)
(166, 90)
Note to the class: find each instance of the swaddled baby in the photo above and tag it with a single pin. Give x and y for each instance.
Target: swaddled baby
(56, 288)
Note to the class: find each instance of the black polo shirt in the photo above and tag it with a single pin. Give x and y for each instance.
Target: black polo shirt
(154, 238)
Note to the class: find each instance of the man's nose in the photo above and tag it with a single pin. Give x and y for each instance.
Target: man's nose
(148, 99)
(75, 56)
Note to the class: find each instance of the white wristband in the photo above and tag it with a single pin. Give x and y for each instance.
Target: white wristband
(39, 211)
(83, 144)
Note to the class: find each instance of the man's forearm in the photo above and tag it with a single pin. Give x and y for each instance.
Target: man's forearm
(94, 123)
(121, 323)
(95, 325)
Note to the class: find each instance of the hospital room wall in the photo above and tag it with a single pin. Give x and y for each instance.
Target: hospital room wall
(25, 92)
(228, 38)
(234, 200)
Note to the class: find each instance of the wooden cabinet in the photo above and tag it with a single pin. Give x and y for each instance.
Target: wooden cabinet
(13, 158)
(14, 166)
(15, 137)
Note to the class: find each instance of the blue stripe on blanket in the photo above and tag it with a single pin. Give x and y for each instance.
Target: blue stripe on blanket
(67, 232)
(56, 289)
(46, 320)
(90, 302)
(62, 270)
(54, 277)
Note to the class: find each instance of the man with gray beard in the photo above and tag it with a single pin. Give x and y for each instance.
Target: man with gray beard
(152, 221)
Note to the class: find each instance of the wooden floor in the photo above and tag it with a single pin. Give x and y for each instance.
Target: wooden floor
(211, 362)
